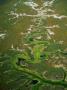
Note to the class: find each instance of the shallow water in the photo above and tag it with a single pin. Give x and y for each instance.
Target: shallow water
(17, 16)
(24, 24)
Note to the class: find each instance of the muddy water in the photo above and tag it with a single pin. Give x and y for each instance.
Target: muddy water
(17, 16)
(23, 22)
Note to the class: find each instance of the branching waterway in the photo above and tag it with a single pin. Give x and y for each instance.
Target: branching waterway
(33, 45)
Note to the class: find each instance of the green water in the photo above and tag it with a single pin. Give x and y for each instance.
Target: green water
(25, 24)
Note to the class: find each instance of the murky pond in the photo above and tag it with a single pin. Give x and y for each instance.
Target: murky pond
(38, 29)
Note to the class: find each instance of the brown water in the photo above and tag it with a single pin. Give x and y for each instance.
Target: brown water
(24, 26)
(16, 17)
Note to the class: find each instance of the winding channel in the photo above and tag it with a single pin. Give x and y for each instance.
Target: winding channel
(38, 77)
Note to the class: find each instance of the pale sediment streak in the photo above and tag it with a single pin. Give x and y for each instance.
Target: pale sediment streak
(31, 4)
(50, 32)
(2, 35)
(53, 26)
(40, 13)
(48, 3)
(17, 48)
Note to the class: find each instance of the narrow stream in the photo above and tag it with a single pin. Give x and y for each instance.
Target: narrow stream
(34, 32)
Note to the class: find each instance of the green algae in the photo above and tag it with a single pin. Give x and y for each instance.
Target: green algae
(31, 74)
(30, 68)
